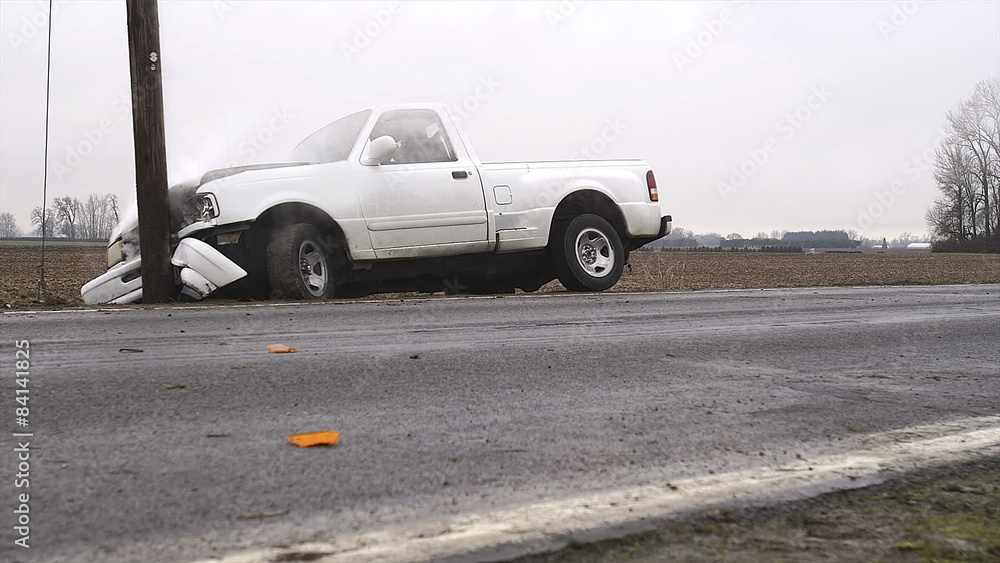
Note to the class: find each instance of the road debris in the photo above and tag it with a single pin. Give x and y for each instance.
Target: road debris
(130, 350)
(174, 387)
(281, 349)
(325, 437)
(253, 515)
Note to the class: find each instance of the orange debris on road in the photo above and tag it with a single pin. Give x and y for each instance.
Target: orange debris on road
(315, 438)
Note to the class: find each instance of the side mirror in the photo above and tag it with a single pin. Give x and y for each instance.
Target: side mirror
(379, 151)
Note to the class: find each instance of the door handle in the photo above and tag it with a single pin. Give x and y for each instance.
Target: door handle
(459, 174)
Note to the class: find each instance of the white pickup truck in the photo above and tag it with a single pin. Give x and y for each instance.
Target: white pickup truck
(393, 198)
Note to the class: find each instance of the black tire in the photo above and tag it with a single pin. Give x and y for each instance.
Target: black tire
(300, 263)
(587, 253)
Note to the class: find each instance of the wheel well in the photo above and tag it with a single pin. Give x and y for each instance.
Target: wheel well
(288, 213)
(592, 201)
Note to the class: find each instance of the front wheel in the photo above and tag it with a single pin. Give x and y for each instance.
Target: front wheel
(300, 264)
(587, 253)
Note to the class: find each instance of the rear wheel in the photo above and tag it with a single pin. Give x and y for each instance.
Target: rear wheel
(587, 253)
(300, 263)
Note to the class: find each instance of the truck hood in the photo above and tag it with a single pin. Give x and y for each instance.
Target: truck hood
(220, 173)
(180, 198)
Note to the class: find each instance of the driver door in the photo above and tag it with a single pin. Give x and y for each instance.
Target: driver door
(424, 195)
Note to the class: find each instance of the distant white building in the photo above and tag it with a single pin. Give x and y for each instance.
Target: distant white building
(918, 246)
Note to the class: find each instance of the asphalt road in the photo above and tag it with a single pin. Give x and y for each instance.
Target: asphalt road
(453, 406)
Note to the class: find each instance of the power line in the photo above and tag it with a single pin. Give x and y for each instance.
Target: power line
(45, 158)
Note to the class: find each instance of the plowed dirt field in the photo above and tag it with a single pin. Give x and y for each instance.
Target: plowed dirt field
(67, 268)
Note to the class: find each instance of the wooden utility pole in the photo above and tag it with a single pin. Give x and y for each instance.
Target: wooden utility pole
(150, 150)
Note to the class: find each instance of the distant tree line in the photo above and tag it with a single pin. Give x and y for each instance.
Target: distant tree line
(966, 216)
(820, 239)
(91, 219)
(775, 241)
(792, 249)
(683, 238)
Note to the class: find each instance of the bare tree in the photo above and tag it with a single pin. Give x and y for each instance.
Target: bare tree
(967, 169)
(44, 222)
(90, 217)
(67, 213)
(112, 202)
(98, 216)
(8, 226)
(951, 214)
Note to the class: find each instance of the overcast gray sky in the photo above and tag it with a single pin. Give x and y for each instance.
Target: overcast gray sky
(829, 108)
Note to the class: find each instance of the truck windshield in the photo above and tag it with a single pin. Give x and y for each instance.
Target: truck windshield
(333, 142)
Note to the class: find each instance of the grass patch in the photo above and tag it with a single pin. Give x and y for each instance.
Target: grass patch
(948, 514)
(934, 537)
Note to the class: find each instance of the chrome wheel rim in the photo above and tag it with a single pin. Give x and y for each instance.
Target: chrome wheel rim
(595, 253)
(312, 268)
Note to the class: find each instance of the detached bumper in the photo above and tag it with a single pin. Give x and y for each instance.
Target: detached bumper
(201, 270)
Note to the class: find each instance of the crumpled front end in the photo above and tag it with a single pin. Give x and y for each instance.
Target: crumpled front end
(201, 270)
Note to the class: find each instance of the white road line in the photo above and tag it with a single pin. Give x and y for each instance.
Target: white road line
(550, 525)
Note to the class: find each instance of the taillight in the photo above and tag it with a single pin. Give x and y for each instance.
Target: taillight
(651, 185)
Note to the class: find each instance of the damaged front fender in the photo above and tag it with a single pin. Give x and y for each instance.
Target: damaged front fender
(201, 270)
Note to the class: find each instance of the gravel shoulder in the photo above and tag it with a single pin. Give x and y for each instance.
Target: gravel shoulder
(941, 514)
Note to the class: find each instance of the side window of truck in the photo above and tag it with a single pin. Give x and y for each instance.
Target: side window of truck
(419, 134)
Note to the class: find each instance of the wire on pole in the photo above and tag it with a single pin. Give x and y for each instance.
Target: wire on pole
(42, 293)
